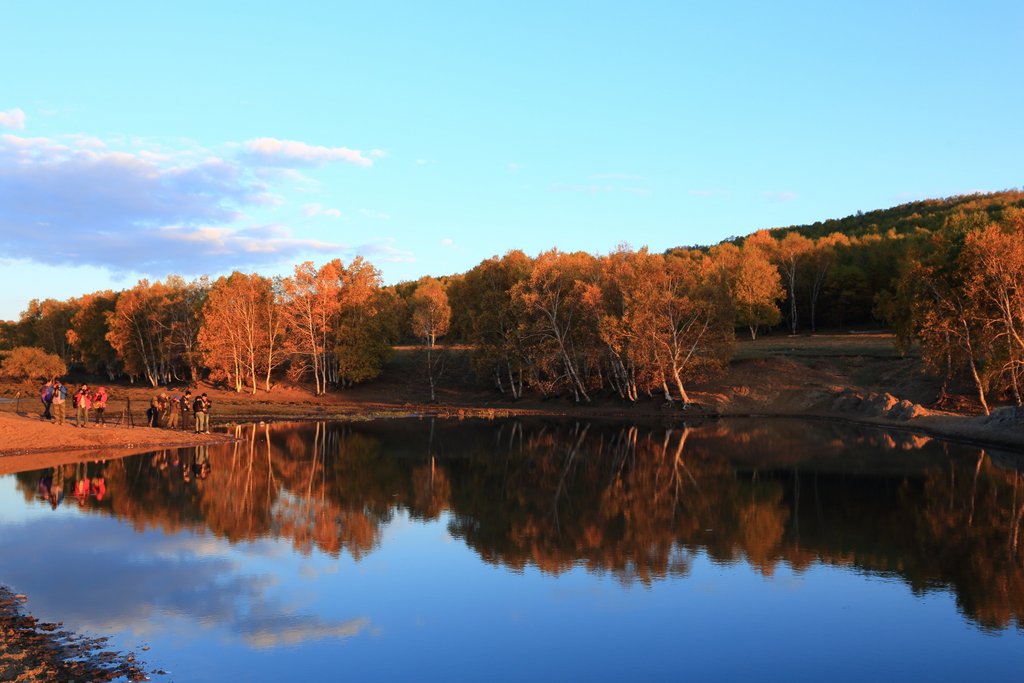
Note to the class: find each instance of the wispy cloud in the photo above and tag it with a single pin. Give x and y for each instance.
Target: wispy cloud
(384, 251)
(615, 176)
(784, 196)
(378, 215)
(582, 189)
(312, 210)
(12, 118)
(274, 152)
(701, 193)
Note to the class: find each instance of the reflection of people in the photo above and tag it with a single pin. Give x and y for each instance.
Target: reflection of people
(57, 487)
(202, 464)
(98, 487)
(82, 491)
(58, 402)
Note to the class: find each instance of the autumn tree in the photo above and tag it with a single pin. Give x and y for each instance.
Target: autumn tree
(311, 299)
(241, 330)
(430, 317)
(45, 324)
(685, 318)
(790, 255)
(558, 322)
(493, 319)
(994, 263)
(754, 282)
(367, 325)
(88, 334)
(137, 332)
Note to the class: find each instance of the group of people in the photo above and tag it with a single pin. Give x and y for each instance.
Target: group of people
(54, 397)
(172, 410)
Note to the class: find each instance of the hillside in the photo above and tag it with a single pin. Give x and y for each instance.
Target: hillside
(927, 214)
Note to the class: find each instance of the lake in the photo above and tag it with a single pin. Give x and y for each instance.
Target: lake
(521, 550)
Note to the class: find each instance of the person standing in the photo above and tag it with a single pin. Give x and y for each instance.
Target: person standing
(186, 407)
(58, 401)
(201, 409)
(99, 404)
(46, 396)
(173, 410)
(82, 404)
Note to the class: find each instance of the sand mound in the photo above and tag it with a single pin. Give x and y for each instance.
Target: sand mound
(876, 405)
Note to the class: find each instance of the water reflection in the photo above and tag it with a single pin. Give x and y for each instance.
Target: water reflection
(637, 503)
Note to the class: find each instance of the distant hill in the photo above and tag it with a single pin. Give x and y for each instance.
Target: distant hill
(927, 214)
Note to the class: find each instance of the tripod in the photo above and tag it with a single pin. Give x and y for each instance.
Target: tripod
(126, 416)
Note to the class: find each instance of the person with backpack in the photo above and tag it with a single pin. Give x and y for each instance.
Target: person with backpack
(45, 396)
(173, 410)
(57, 401)
(99, 404)
(83, 401)
(201, 409)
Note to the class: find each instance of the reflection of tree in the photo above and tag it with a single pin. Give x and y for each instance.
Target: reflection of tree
(635, 502)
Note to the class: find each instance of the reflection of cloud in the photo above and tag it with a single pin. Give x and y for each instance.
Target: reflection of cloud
(123, 581)
(294, 631)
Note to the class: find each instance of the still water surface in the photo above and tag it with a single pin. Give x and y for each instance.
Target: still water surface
(534, 551)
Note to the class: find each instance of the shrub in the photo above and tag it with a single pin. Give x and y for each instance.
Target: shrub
(29, 362)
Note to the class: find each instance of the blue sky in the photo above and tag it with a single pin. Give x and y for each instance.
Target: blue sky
(142, 139)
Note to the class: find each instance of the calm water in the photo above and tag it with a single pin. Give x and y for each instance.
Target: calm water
(417, 550)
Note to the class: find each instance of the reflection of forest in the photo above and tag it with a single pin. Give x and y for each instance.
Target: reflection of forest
(636, 502)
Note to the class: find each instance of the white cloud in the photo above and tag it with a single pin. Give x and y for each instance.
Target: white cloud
(447, 242)
(514, 167)
(274, 152)
(377, 153)
(133, 211)
(12, 118)
(701, 193)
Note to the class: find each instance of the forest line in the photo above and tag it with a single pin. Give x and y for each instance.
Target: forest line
(629, 323)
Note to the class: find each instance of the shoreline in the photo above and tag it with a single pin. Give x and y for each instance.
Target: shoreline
(76, 446)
